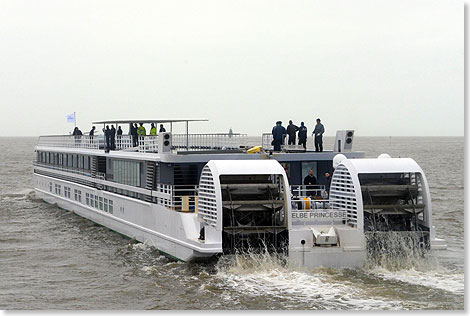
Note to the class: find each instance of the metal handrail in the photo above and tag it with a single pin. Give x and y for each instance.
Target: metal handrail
(83, 141)
(62, 168)
(148, 144)
(267, 139)
(215, 141)
(308, 190)
(307, 204)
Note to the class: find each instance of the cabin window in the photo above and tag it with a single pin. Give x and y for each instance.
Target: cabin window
(101, 203)
(80, 162)
(50, 186)
(106, 205)
(111, 206)
(87, 199)
(67, 192)
(96, 201)
(57, 189)
(126, 172)
(78, 195)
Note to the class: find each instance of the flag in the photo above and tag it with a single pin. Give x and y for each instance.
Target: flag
(71, 118)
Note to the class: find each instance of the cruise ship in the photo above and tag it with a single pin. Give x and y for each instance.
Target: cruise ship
(196, 196)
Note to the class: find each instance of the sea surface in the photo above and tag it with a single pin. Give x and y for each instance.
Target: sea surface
(53, 259)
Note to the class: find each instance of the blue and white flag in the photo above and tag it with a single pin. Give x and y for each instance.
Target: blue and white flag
(71, 118)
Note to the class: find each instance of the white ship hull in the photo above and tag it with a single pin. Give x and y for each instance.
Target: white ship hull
(173, 233)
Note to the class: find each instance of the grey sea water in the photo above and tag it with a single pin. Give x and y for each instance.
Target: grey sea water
(53, 259)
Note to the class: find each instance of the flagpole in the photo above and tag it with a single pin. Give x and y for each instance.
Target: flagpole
(75, 119)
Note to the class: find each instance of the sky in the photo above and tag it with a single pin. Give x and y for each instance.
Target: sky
(382, 68)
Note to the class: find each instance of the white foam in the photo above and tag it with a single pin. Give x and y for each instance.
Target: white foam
(442, 279)
(310, 287)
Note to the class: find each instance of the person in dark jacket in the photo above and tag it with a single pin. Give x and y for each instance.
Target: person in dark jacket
(107, 134)
(92, 134)
(119, 136)
(291, 131)
(327, 182)
(162, 129)
(318, 132)
(112, 137)
(310, 180)
(303, 135)
(78, 135)
(279, 132)
(134, 135)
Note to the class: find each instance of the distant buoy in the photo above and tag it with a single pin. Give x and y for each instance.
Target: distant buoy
(338, 159)
(383, 156)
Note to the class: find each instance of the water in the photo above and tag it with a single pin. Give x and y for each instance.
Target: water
(53, 259)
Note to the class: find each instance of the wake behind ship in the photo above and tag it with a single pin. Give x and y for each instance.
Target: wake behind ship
(194, 196)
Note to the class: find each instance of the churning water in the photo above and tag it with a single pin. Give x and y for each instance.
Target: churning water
(54, 259)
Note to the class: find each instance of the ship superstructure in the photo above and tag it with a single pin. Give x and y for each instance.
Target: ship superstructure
(194, 196)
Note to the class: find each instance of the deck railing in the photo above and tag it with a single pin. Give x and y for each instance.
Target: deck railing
(177, 197)
(69, 141)
(63, 168)
(84, 141)
(200, 142)
(267, 139)
(123, 142)
(184, 197)
(308, 190)
(148, 144)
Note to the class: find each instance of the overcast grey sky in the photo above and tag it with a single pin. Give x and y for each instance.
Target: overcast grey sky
(379, 67)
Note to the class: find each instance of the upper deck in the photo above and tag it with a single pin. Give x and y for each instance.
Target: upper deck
(182, 148)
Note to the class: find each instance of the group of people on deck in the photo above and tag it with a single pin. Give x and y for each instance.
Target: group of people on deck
(136, 131)
(111, 134)
(279, 133)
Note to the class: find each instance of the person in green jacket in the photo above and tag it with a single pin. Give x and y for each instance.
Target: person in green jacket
(153, 129)
(141, 130)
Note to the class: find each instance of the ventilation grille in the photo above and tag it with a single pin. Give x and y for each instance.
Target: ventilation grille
(207, 200)
(343, 195)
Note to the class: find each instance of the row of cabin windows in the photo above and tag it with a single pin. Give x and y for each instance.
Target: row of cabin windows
(65, 160)
(100, 203)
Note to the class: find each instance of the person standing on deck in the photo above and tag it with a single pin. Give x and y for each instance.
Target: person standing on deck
(279, 132)
(328, 182)
(291, 131)
(119, 136)
(318, 132)
(134, 135)
(153, 129)
(107, 134)
(303, 135)
(162, 129)
(112, 137)
(92, 133)
(310, 180)
(141, 131)
(78, 135)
